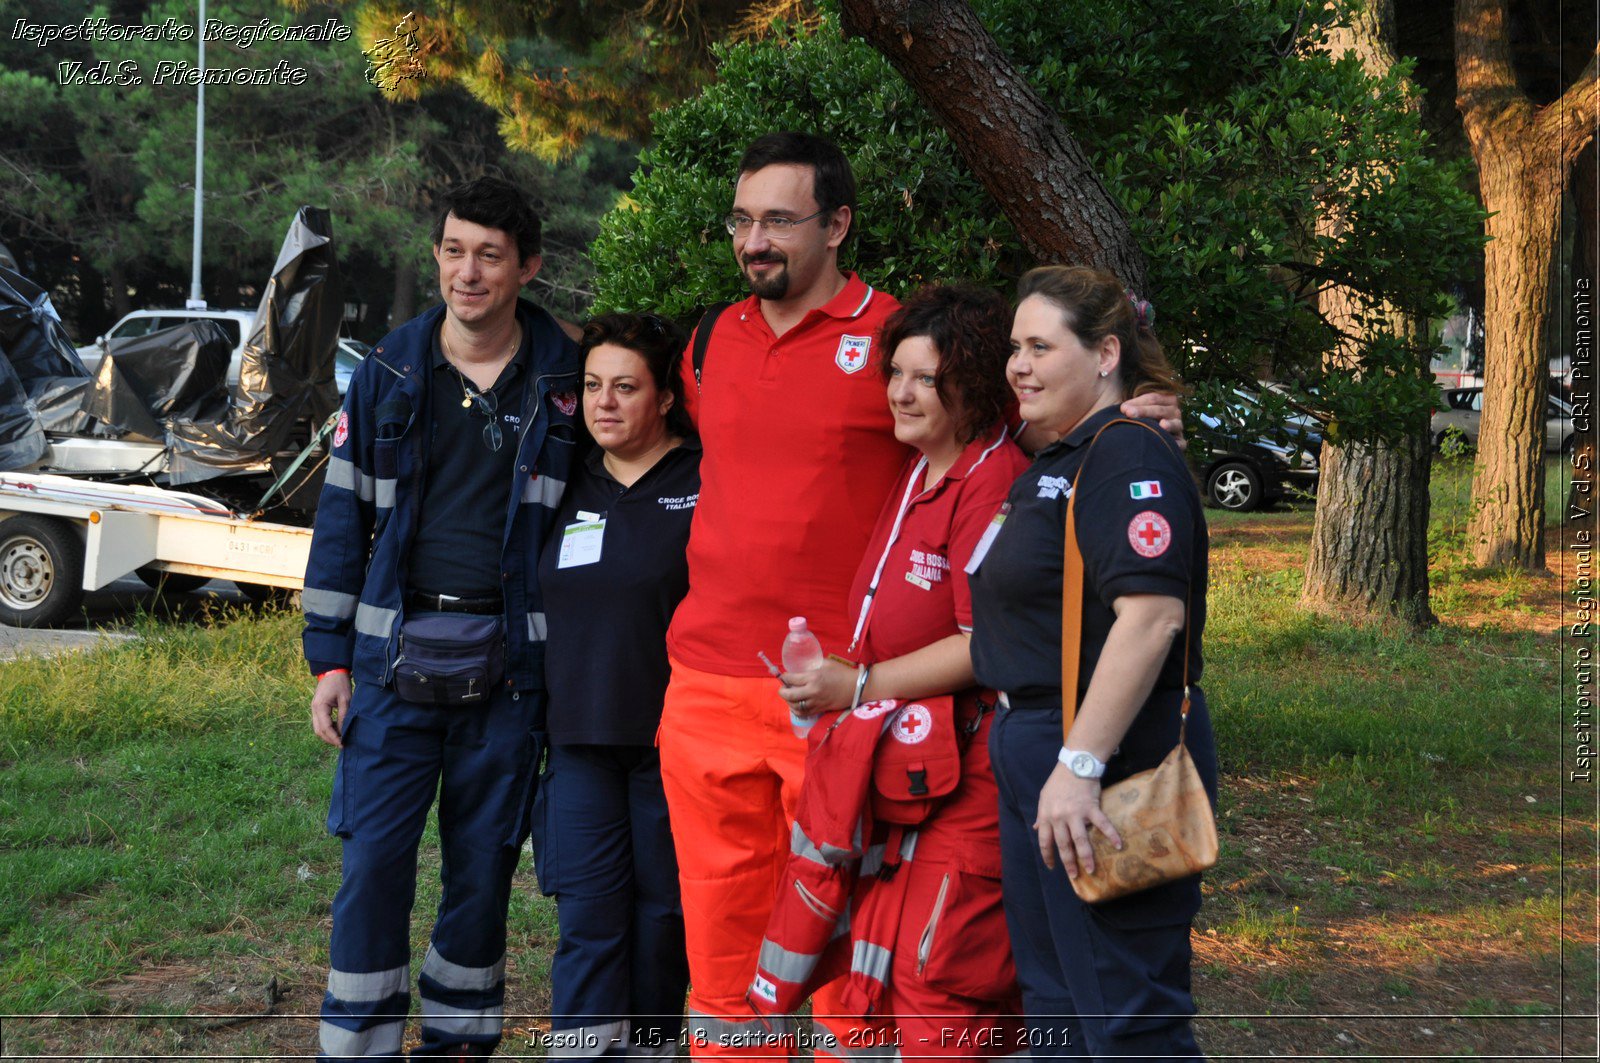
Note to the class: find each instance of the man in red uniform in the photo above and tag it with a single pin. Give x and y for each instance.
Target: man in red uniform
(799, 455)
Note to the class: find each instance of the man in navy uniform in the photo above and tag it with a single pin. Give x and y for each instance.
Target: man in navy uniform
(448, 462)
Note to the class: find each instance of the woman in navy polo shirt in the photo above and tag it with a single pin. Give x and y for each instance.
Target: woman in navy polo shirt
(1112, 981)
(612, 574)
(951, 988)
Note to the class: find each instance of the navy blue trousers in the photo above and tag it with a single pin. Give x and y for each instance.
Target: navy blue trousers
(482, 763)
(603, 850)
(1102, 982)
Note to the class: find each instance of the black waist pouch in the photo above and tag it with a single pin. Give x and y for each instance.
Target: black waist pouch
(450, 658)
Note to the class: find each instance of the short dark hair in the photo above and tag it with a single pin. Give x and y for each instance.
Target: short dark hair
(494, 203)
(970, 327)
(833, 182)
(655, 339)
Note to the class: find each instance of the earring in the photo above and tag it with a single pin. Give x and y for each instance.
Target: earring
(1103, 372)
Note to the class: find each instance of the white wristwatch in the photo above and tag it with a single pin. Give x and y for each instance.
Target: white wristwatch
(1082, 763)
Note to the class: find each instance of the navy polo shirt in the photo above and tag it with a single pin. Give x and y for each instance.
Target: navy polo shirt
(606, 664)
(466, 490)
(1140, 530)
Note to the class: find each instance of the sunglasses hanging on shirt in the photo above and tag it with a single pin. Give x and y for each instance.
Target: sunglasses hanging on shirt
(488, 405)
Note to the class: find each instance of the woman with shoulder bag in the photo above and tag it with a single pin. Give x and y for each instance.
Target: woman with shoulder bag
(1109, 980)
(612, 574)
(949, 988)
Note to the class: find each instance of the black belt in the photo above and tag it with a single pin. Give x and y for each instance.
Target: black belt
(445, 603)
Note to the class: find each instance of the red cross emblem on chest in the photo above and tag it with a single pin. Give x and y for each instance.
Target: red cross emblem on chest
(1149, 534)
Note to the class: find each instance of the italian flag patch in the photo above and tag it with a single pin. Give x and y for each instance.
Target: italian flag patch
(1145, 489)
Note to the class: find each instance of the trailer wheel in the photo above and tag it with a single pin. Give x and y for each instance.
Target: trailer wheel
(41, 571)
(159, 579)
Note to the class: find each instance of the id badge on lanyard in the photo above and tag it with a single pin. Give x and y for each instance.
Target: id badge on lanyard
(581, 541)
(981, 551)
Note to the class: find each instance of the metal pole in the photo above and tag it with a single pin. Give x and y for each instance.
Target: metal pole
(197, 301)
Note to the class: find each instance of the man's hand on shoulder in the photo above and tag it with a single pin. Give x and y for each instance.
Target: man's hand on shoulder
(329, 705)
(1160, 406)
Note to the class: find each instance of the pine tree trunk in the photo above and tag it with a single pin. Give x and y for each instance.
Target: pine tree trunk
(117, 279)
(1010, 138)
(1369, 541)
(1523, 154)
(1369, 547)
(403, 307)
(1522, 188)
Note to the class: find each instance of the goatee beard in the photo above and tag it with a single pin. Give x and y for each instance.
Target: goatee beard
(773, 286)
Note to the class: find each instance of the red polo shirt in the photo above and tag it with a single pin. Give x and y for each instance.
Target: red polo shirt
(799, 453)
(922, 593)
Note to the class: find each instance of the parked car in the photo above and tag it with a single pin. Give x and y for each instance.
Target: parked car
(1461, 408)
(1242, 468)
(236, 323)
(346, 356)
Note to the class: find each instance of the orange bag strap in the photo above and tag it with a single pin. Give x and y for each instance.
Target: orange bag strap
(1072, 603)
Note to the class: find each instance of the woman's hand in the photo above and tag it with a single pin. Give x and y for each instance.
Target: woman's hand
(1069, 807)
(831, 686)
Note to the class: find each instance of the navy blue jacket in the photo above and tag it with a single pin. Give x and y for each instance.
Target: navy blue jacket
(367, 516)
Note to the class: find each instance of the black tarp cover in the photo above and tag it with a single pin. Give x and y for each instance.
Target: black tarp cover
(287, 371)
(42, 380)
(177, 372)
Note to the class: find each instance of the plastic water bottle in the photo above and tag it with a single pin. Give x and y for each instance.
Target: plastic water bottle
(801, 653)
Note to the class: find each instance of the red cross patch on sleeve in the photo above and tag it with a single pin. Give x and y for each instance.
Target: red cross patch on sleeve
(1149, 534)
(341, 431)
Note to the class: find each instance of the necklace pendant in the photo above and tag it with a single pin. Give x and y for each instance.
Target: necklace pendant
(466, 402)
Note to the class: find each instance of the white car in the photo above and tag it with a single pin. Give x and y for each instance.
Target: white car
(236, 323)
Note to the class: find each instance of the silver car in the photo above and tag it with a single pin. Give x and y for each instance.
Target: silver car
(1461, 408)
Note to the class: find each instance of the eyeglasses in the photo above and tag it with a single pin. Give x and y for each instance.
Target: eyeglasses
(488, 404)
(777, 227)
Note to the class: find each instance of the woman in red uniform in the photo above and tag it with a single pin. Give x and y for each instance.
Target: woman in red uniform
(951, 986)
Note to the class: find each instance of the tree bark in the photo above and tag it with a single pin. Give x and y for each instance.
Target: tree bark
(403, 307)
(1581, 511)
(121, 305)
(1523, 154)
(1009, 137)
(1369, 540)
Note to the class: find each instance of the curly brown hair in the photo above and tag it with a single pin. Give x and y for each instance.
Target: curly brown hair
(970, 327)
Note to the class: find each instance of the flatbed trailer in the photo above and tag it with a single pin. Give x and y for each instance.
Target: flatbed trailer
(61, 536)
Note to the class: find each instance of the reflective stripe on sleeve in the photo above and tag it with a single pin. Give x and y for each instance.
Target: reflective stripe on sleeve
(372, 620)
(538, 630)
(383, 493)
(543, 490)
(783, 964)
(871, 960)
(342, 472)
(801, 846)
(324, 602)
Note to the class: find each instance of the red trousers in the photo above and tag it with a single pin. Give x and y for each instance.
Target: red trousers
(952, 987)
